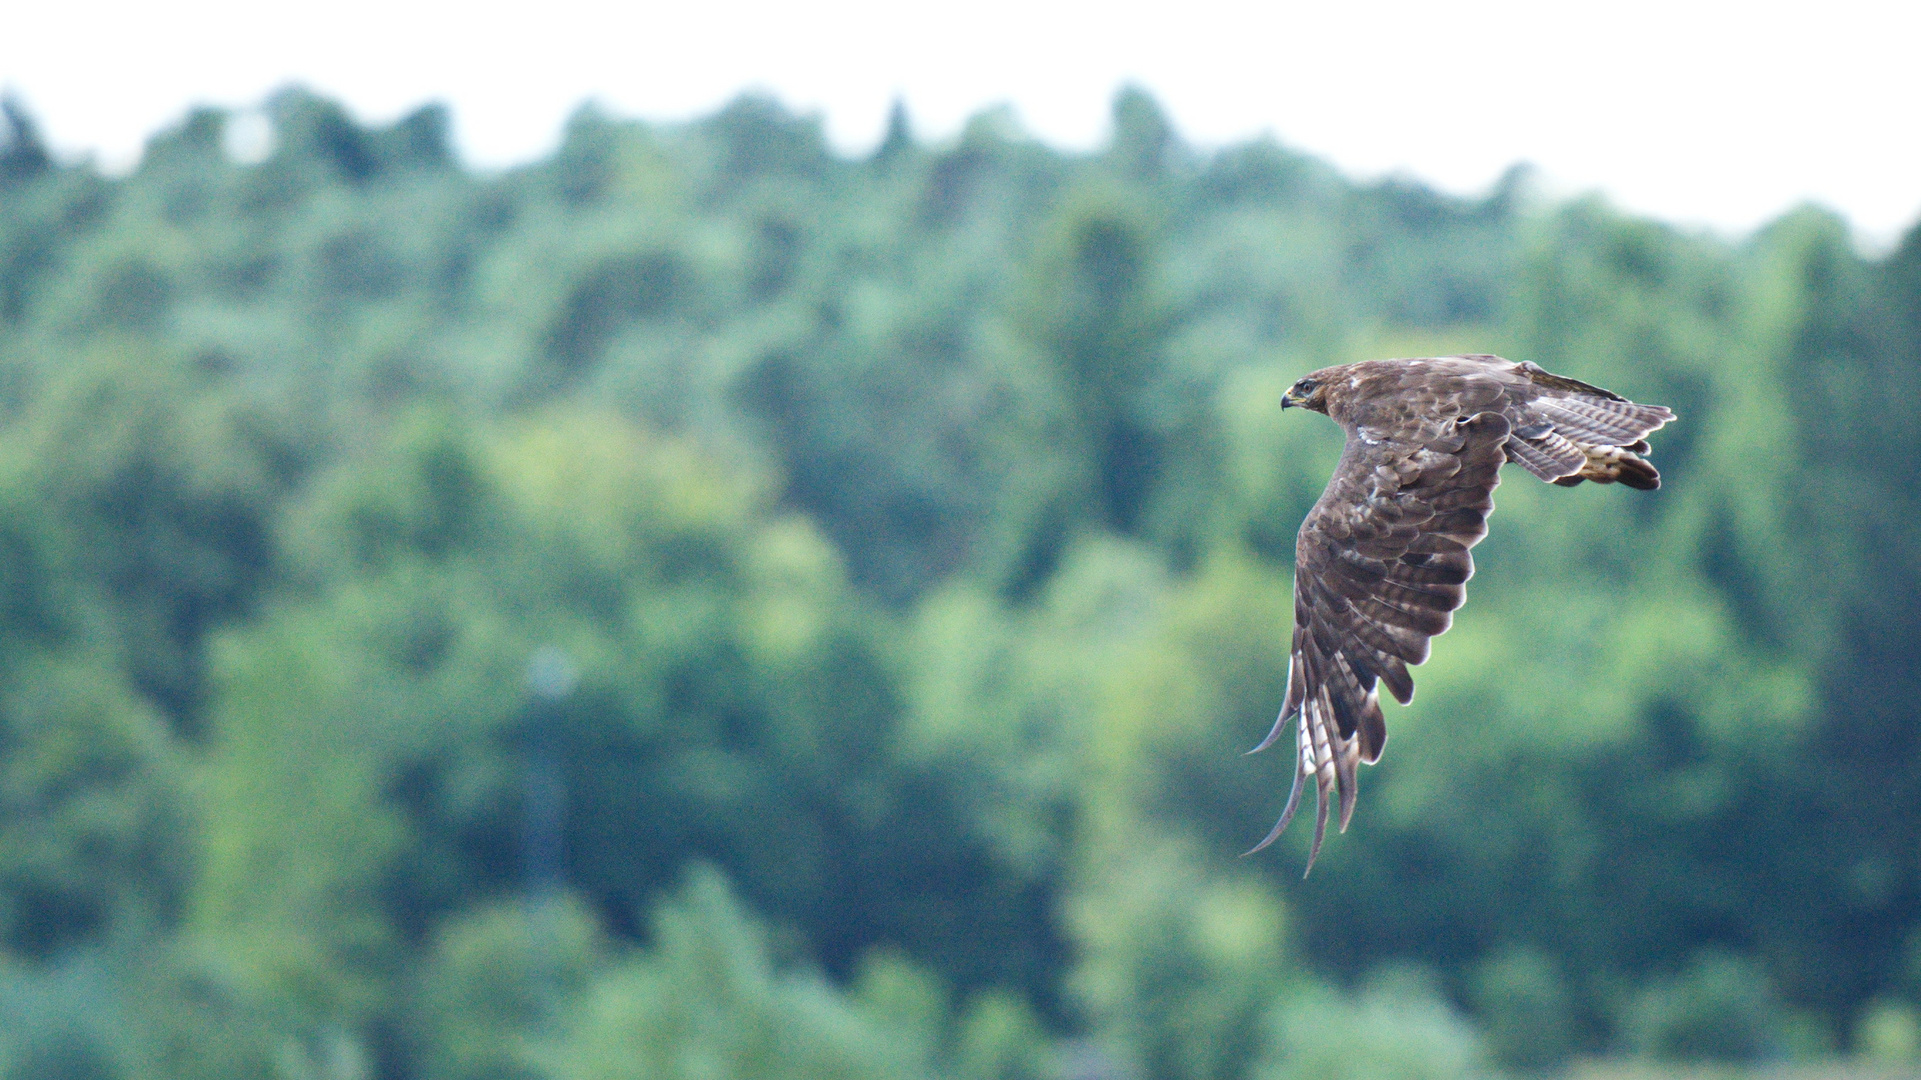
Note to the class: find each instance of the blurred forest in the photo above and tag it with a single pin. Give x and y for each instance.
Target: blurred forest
(703, 606)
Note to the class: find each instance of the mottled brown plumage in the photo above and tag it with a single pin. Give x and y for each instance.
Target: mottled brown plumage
(1382, 560)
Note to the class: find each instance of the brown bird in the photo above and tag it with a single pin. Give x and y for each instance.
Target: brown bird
(1382, 560)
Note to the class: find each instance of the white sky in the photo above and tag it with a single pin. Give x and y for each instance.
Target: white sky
(1723, 114)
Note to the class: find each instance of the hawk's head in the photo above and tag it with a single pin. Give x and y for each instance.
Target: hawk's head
(1309, 393)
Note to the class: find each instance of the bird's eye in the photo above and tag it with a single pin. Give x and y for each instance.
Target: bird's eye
(1306, 386)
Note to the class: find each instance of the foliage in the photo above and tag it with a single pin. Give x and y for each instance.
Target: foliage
(707, 1002)
(1718, 1008)
(1396, 1030)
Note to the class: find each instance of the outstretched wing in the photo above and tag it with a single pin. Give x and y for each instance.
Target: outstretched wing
(1380, 566)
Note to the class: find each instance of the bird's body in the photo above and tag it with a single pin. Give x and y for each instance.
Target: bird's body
(1382, 560)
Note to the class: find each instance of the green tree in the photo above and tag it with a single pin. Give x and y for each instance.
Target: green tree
(707, 1000)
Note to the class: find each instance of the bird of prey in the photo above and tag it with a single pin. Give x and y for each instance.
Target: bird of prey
(1382, 560)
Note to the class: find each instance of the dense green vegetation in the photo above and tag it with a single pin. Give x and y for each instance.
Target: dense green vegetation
(914, 533)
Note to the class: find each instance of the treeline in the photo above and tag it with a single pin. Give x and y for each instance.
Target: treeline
(901, 546)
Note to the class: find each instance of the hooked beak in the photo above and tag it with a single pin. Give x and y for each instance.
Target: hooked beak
(1287, 401)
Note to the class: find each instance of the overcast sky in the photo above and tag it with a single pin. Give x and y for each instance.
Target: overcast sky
(1719, 114)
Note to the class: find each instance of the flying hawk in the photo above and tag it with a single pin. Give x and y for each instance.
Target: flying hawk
(1382, 560)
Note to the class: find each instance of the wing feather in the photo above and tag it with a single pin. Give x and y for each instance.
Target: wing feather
(1616, 422)
(1567, 431)
(1381, 565)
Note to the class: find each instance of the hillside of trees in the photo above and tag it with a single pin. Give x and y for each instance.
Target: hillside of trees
(704, 606)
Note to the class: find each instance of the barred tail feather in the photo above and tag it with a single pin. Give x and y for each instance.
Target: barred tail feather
(1331, 759)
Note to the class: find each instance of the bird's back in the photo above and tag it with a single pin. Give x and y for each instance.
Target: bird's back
(1563, 430)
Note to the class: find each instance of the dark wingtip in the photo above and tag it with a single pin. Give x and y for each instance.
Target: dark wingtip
(1272, 734)
(1288, 712)
(1320, 830)
(1287, 815)
(1639, 475)
(1350, 787)
(1273, 834)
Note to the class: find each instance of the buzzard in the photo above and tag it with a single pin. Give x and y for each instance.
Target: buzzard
(1382, 560)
